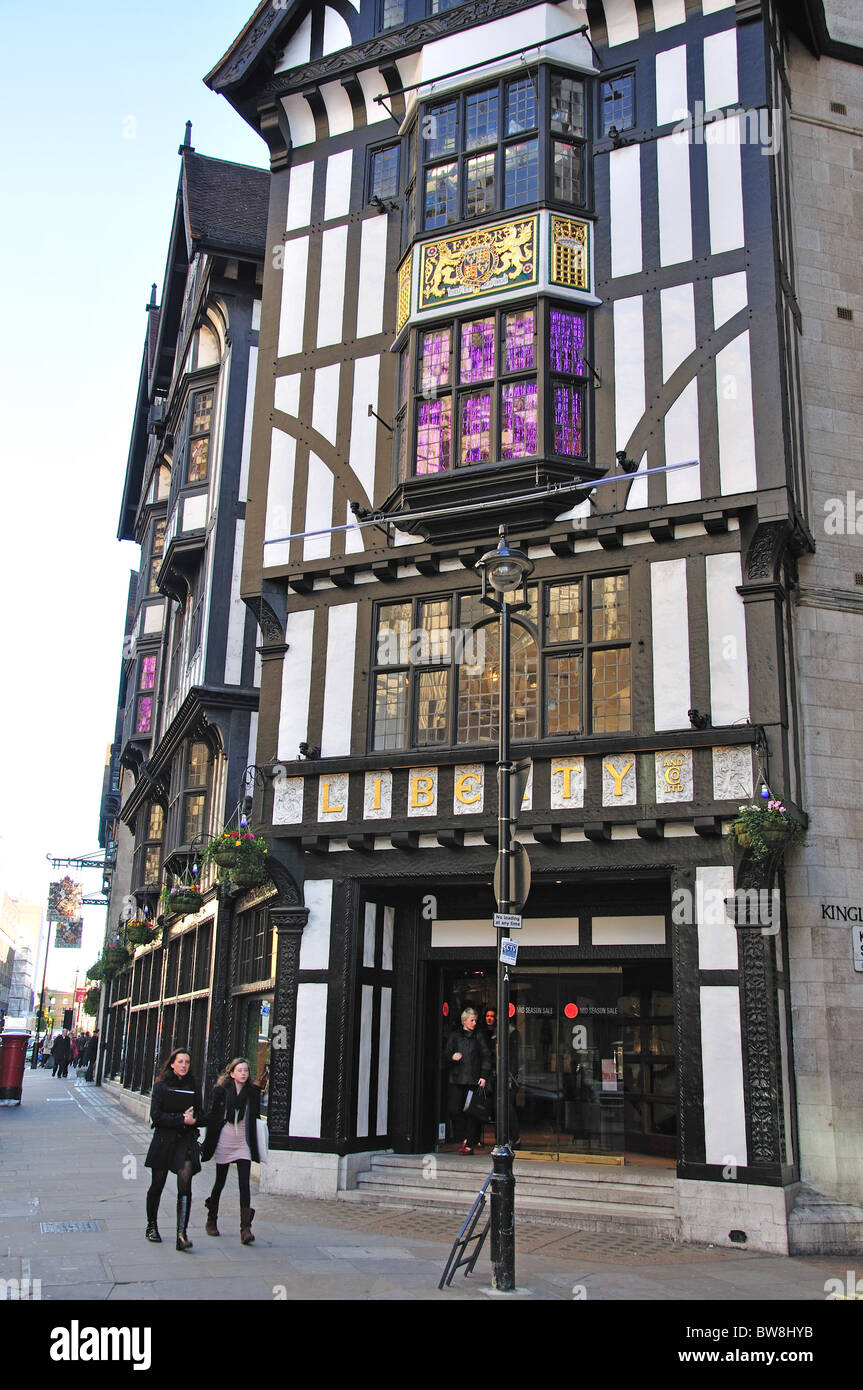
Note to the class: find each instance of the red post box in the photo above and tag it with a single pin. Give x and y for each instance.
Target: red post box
(13, 1055)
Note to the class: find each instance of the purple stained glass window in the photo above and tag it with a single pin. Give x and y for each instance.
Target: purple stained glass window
(477, 351)
(434, 436)
(145, 714)
(148, 673)
(519, 334)
(518, 420)
(566, 342)
(476, 427)
(568, 417)
(435, 360)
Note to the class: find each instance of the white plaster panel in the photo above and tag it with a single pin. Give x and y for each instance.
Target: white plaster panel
(384, 1059)
(637, 496)
(301, 120)
(340, 113)
(319, 509)
(389, 929)
(280, 496)
(256, 315)
(369, 935)
(635, 930)
(364, 427)
(298, 48)
(621, 19)
(720, 70)
(373, 273)
(724, 184)
(325, 402)
(195, 512)
(567, 784)
(671, 89)
(299, 212)
(677, 310)
(353, 538)
(243, 486)
(333, 797)
(732, 773)
(378, 788)
(334, 244)
(624, 173)
(307, 1090)
(722, 1071)
(682, 444)
(286, 393)
(364, 1059)
(339, 681)
(535, 931)
(288, 800)
(152, 618)
(714, 6)
(674, 778)
(469, 780)
(670, 616)
(236, 616)
(296, 680)
(294, 269)
(717, 936)
(336, 32)
(628, 367)
(619, 780)
(730, 295)
(726, 629)
(675, 201)
(735, 418)
(315, 940)
(373, 85)
(337, 200)
(667, 13)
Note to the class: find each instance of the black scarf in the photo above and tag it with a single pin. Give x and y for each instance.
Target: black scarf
(235, 1104)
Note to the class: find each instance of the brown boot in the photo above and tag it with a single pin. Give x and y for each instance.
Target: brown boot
(247, 1215)
(211, 1227)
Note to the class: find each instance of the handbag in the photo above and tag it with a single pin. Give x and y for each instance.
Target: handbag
(263, 1140)
(476, 1103)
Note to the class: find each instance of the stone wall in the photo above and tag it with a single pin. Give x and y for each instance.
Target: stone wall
(825, 879)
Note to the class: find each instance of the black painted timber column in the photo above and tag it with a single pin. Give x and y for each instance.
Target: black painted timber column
(760, 1038)
(288, 923)
(687, 1023)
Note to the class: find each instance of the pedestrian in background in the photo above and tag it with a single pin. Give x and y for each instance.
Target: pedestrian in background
(61, 1052)
(91, 1052)
(467, 1055)
(176, 1110)
(232, 1137)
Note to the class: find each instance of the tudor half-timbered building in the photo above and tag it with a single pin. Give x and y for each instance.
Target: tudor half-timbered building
(188, 697)
(512, 248)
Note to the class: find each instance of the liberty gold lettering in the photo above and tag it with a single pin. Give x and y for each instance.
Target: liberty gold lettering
(422, 791)
(326, 808)
(567, 771)
(376, 804)
(461, 788)
(618, 776)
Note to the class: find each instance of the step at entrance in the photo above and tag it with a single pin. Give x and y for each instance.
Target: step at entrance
(584, 1197)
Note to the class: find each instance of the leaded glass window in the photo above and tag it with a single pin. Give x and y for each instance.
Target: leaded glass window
(521, 173)
(479, 185)
(521, 105)
(567, 331)
(519, 336)
(412, 658)
(393, 13)
(518, 420)
(434, 436)
(566, 105)
(199, 436)
(617, 103)
(477, 351)
(475, 431)
(568, 172)
(587, 646)
(441, 130)
(384, 172)
(481, 118)
(144, 698)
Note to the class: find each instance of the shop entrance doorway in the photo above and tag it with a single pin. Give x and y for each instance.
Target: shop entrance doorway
(592, 1058)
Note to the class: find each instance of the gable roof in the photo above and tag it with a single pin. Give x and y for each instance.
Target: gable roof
(225, 204)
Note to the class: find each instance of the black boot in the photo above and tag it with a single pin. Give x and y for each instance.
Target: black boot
(152, 1213)
(184, 1206)
(212, 1205)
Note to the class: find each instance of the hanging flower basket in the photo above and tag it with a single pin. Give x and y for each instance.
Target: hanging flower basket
(183, 899)
(140, 933)
(765, 831)
(97, 971)
(241, 854)
(114, 961)
(91, 1001)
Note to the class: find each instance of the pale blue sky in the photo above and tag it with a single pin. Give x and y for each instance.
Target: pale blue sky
(93, 106)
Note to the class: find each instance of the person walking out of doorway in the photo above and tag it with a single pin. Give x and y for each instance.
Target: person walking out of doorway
(176, 1110)
(232, 1137)
(469, 1060)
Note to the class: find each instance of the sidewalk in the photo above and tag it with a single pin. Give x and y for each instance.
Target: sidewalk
(70, 1154)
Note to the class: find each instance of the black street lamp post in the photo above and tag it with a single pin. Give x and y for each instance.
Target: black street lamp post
(504, 572)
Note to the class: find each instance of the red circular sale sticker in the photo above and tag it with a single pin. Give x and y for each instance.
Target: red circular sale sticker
(446, 1010)
(512, 1010)
(571, 1010)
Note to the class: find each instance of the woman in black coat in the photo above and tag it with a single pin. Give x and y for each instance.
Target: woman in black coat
(176, 1110)
(232, 1137)
(469, 1060)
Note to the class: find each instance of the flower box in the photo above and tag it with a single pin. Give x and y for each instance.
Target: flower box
(183, 900)
(765, 832)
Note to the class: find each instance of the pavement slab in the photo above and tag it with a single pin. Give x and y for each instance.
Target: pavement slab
(71, 1153)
